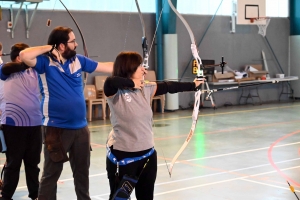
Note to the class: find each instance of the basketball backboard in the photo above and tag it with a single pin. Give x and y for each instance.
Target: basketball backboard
(249, 9)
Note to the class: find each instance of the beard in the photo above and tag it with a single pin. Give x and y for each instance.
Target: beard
(69, 53)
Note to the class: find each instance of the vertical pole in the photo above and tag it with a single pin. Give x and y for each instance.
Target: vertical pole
(294, 46)
(294, 17)
(159, 41)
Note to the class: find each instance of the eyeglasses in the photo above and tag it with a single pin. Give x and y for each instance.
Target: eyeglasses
(73, 41)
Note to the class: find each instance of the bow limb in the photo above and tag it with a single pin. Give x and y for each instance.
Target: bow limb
(82, 38)
(192, 130)
(144, 38)
(80, 32)
(193, 45)
(198, 92)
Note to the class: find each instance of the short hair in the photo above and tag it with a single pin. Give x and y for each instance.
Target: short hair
(1, 46)
(16, 49)
(126, 64)
(59, 35)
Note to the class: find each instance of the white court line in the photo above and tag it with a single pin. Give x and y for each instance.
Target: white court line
(214, 174)
(275, 186)
(96, 197)
(244, 178)
(196, 177)
(233, 153)
(71, 179)
(65, 180)
(226, 172)
(221, 155)
(225, 181)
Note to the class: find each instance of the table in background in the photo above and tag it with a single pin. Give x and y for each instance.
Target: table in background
(246, 92)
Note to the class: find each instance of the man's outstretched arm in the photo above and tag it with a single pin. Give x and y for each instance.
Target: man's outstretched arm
(106, 67)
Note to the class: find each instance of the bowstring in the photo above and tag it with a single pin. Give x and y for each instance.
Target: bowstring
(152, 42)
(49, 21)
(154, 36)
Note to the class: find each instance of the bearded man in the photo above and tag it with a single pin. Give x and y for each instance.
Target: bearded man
(64, 110)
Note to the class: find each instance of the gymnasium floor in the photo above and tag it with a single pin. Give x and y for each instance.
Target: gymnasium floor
(238, 152)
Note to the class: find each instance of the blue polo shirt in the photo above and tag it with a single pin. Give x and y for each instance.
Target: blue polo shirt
(63, 103)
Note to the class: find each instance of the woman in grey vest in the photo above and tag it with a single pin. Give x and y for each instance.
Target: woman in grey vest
(130, 146)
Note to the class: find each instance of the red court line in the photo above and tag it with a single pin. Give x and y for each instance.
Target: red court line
(94, 145)
(272, 162)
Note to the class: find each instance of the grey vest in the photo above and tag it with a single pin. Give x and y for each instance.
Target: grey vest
(131, 119)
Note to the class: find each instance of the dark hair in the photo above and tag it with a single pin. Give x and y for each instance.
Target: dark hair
(59, 35)
(126, 64)
(15, 50)
(0, 46)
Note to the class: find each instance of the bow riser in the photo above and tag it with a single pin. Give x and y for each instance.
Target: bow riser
(144, 38)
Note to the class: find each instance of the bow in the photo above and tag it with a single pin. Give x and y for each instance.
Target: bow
(198, 92)
(144, 38)
(81, 35)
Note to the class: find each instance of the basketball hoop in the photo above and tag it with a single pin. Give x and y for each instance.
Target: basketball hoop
(262, 24)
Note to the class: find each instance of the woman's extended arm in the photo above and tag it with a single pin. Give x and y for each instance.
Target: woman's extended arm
(175, 87)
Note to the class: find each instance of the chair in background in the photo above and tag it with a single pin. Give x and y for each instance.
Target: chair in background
(150, 76)
(99, 83)
(92, 99)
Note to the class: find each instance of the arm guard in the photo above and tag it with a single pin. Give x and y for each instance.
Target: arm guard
(113, 83)
(174, 87)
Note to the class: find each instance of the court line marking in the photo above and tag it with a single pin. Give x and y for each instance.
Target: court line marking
(68, 179)
(225, 172)
(276, 186)
(186, 179)
(97, 197)
(243, 178)
(209, 114)
(235, 153)
(203, 157)
(270, 151)
(216, 156)
(216, 131)
(225, 181)
(229, 154)
(230, 129)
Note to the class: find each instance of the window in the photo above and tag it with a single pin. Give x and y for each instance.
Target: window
(92, 5)
(275, 8)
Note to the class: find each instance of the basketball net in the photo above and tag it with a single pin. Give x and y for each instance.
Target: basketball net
(262, 28)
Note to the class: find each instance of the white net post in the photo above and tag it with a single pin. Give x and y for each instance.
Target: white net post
(262, 28)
